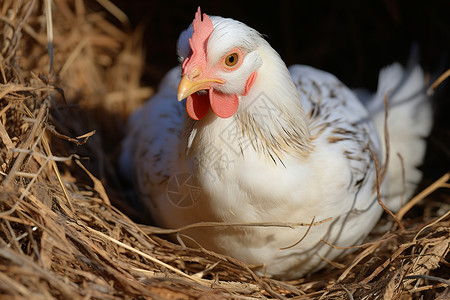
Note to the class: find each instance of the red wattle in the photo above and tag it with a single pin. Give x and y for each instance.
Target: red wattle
(197, 106)
(223, 105)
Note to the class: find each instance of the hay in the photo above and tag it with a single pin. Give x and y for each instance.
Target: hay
(60, 236)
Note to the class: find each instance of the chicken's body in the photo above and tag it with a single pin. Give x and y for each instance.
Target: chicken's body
(299, 148)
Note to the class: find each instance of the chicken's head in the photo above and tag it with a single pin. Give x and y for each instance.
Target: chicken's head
(219, 64)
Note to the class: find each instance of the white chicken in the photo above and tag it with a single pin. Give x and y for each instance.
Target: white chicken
(264, 144)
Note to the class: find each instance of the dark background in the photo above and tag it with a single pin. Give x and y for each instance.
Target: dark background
(352, 39)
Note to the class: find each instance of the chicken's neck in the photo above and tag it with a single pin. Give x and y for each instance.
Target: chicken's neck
(270, 121)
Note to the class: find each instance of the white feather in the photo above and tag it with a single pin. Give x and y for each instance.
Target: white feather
(409, 123)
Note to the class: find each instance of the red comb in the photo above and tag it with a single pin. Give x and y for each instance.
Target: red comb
(202, 31)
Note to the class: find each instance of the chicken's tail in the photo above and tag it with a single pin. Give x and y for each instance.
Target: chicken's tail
(410, 120)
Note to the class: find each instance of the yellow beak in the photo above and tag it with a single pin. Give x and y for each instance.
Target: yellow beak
(187, 87)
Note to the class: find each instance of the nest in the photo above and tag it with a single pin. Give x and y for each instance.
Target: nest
(60, 236)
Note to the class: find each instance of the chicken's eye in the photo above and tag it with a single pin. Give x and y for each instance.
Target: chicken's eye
(232, 59)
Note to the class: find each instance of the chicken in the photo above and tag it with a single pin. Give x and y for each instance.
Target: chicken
(261, 143)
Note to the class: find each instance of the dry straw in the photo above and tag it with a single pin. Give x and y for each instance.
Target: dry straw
(60, 237)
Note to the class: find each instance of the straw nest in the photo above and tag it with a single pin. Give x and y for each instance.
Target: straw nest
(60, 236)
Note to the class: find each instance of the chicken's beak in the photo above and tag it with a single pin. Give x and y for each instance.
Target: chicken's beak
(187, 87)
